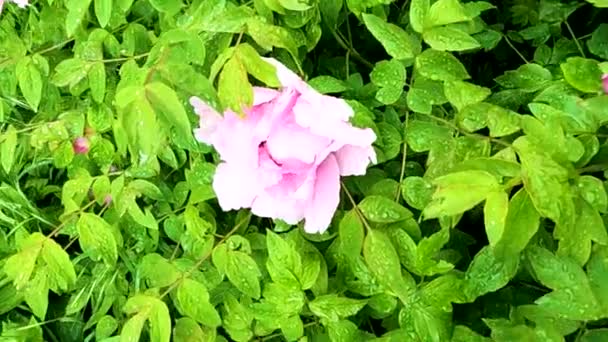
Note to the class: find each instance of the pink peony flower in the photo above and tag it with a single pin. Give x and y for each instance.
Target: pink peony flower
(20, 3)
(605, 83)
(81, 145)
(284, 159)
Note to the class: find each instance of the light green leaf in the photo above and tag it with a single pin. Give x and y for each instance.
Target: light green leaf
(165, 102)
(158, 271)
(7, 148)
(96, 238)
(383, 210)
(351, 235)
(69, 72)
(440, 66)
(60, 268)
(243, 272)
(36, 294)
(462, 94)
(77, 9)
(417, 192)
(193, 301)
(97, 81)
(383, 261)
(334, 307)
(389, 76)
(418, 13)
(500, 121)
(256, 66)
(528, 77)
(521, 223)
(445, 12)
(234, 89)
(449, 39)
(268, 36)
(398, 43)
(583, 74)
(30, 81)
(103, 11)
(593, 191)
(460, 191)
(169, 7)
(146, 308)
(495, 215)
(487, 273)
(327, 84)
(296, 5)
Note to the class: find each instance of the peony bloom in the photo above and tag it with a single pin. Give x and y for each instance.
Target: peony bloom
(605, 83)
(20, 3)
(81, 145)
(284, 159)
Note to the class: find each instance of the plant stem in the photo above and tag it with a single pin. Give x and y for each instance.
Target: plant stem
(578, 44)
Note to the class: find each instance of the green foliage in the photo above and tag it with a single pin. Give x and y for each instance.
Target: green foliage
(483, 219)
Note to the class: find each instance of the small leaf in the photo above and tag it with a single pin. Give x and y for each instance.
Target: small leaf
(460, 191)
(521, 223)
(60, 268)
(445, 12)
(234, 89)
(70, 71)
(440, 66)
(495, 215)
(486, 273)
(528, 77)
(103, 11)
(583, 74)
(97, 81)
(449, 39)
(334, 308)
(158, 271)
(164, 100)
(77, 9)
(256, 66)
(418, 13)
(36, 294)
(327, 84)
(97, 239)
(8, 148)
(396, 41)
(383, 210)
(30, 81)
(390, 77)
(170, 7)
(383, 261)
(598, 44)
(193, 300)
(462, 94)
(243, 272)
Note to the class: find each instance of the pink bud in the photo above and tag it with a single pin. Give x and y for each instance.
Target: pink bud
(107, 200)
(81, 145)
(605, 83)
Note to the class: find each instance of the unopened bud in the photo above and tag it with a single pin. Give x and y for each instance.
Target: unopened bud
(81, 145)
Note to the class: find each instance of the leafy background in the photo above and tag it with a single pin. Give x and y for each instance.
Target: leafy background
(484, 219)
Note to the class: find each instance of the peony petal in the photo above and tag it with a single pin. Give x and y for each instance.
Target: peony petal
(235, 186)
(354, 160)
(21, 3)
(288, 78)
(281, 201)
(209, 120)
(326, 197)
(290, 141)
(263, 95)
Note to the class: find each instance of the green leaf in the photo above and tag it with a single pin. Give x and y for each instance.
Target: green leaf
(418, 13)
(383, 261)
(583, 74)
(383, 210)
(417, 192)
(268, 36)
(598, 44)
(97, 81)
(495, 215)
(440, 66)
(351, 235)
(187, 330)
(445, 12)
(334, 308)
(97, 239)
(327, 84)
(36, 294)
(256, 66)
(330, 11)
(234, 89)
(572, 297)
(284, 264)
(389, 76)
(521, 223)
(69, 72)
(77, 10)
(593, 191)
(296, 5)
(462, 94)
(460, 191)
(103, 11)
(487, 273)
(169, 7)
(105, 327)
(243, 273)
(449, 39)
(164, 100)
(193, 301)
(528, 77)
(30, 81)
(8, 148)
(158, 271)
(62, 275)
(147, 308)
(597, 272)
(397, 43)
(500, 121)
